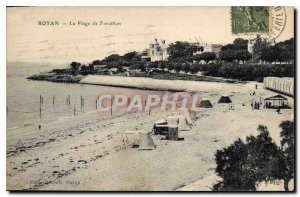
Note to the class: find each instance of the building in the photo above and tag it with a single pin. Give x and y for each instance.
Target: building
(157, 51)
(205, 47)
(99, 67)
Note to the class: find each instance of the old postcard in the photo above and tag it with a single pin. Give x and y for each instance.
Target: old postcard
(150, 99)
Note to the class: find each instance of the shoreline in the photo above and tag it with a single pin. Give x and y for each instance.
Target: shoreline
(117, 80)
(150, 83)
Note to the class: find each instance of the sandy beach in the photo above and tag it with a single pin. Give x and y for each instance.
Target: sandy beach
(88, 153)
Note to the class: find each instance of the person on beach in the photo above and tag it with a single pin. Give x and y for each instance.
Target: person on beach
(40, 127)
(255, 86)
(252, 105)
(278, 110)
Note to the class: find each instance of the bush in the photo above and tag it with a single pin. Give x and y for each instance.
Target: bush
(247, 72)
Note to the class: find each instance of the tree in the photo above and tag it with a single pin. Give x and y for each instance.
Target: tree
(242, 55)
(75, 67)
(179, 50)
(161, 65)
(227, 55)
(130, 56)
(84, 69)
(243, 165)
(170, 66)
(185, 67)
(208, 56)
(112, 58)
(197, 57)
(178, 67)
(153, 65)
(91, 68)
(286, 49)
(240, 44)
(194, 68)
(231, 166)
(258, 47)
(97, 62)
(228, 47)
(269, 54)
(288, 149)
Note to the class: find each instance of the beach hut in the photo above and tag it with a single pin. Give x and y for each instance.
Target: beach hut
(205, 103)
(184, 122)
(224, 99)
(146, 141)
(283, 85)
(132, 138)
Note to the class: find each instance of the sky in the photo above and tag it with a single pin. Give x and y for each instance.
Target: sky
(27, 41)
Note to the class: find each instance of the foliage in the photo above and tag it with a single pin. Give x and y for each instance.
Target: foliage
(206, 56)
(247, 72)
(181, 59)
(259, 46)
(236, 51)
(181, 50)
(288, 151)
(240, 44)
(75, 67)
(280, 52)
(243, 165)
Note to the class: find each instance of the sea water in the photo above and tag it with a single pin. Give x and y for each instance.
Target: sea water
(23, 96)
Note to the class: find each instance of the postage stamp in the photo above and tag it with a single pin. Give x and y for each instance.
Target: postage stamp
(250, 19)
(253, 20)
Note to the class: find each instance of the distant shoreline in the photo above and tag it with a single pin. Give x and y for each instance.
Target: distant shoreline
(144, 83)
(148, 83)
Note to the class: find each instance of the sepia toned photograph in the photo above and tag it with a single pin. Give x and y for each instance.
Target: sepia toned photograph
(150, 99)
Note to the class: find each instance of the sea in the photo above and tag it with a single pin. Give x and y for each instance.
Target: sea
(23, 106)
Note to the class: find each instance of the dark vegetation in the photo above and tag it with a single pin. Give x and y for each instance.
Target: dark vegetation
(243, 165)
(234, 62)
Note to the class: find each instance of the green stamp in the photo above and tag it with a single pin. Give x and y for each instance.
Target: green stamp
(250, 19)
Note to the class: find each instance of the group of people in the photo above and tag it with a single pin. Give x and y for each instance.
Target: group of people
(255, 105)
(268, 105)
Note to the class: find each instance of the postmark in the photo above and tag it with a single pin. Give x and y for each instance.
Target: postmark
(254, 20)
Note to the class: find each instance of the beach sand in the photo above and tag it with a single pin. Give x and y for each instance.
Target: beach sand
(88, 153)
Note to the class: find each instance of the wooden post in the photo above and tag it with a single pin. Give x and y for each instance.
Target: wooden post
(40, 99)
(69, 100)
(53, 100)
(111, 103)
(81, 101)
(40, 112)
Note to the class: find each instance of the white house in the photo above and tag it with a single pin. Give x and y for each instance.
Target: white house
(157, 51)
